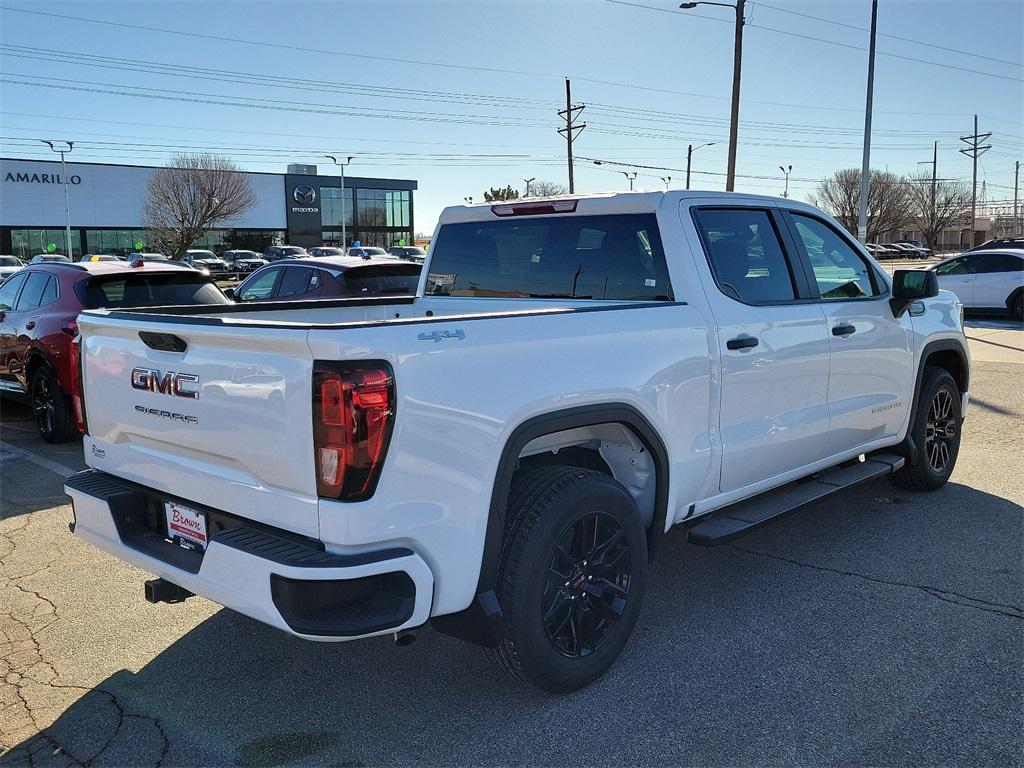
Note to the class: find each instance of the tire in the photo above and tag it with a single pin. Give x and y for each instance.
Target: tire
(1017, 306)
(562, 635)
(51, 407)
(936, 433)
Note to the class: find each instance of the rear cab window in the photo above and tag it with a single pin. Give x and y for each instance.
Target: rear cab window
(615, 257)
(148, 290)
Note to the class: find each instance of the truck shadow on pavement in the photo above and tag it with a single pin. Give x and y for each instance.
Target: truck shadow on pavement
(882, 627)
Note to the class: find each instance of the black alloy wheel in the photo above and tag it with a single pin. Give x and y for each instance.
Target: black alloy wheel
(940, 430)
(51, 407)
(587, 585)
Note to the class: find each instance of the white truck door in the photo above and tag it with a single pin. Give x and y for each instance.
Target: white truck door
(773, 345)
(871, 375)
(956, 275)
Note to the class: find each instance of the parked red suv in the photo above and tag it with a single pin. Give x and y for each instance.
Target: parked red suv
(39, 306)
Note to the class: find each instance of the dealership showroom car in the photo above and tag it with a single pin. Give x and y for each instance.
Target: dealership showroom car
(243, 261)
(986, 280)
(323, 278)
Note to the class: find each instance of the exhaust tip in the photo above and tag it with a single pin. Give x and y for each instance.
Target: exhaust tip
(405, 638)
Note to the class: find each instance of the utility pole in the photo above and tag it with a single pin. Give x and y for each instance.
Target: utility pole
(571, 129)
(344, 199)
(689, 157)
(934, 162)
(737, 66)
(1016, 179)
(67, 200)
(865, 166)
(785, 192)
(974, 150)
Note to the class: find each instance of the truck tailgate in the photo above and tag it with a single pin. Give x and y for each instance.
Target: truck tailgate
(242, 444)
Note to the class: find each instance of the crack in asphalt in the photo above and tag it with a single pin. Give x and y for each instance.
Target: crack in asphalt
(22, 666)
(946, 595)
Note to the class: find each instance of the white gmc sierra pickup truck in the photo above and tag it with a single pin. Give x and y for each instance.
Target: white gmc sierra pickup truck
(502, 453)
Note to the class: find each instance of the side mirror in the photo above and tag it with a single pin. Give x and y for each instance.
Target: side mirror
(230, 293)
(910, 285)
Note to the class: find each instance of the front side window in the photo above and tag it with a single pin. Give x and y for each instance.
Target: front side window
(953, 267)
(617, 257)
(840, 272)
(9, 292)
(260, 287)
(746, 255)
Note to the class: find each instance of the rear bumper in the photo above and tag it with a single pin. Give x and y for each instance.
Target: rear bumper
(282, 580)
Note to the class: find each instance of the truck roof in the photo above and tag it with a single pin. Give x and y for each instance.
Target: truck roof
(598, 203)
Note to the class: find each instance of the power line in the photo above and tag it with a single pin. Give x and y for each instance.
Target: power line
(915, 41)
(832, 42)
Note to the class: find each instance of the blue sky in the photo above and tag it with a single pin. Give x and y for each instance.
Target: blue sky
(473, 103)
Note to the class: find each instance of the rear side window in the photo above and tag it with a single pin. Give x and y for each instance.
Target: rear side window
(150, 290)
(260, 286)
(294, 282)
(40, 289)
(839, 270)
(567, 257)
(996, 262)
(746, 255)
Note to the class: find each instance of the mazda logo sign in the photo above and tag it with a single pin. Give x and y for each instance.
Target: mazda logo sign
(304, 195)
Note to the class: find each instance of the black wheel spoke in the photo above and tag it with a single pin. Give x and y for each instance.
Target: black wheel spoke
(586, 584)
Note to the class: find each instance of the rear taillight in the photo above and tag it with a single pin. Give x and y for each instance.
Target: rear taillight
(353, 413)
(75, 364)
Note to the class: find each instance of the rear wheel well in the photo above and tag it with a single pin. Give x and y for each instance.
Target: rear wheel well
(1013, 297)
(35, 361)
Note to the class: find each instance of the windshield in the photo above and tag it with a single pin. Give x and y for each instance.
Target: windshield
(291, 250)
(149, 290)
(202, 254)
(9, 261)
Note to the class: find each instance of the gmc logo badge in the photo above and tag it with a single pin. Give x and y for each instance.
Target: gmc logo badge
(170, 383)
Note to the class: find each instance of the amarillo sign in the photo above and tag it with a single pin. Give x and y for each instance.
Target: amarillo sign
(40, 178)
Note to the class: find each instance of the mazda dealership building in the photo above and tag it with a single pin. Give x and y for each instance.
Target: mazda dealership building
(300, 207)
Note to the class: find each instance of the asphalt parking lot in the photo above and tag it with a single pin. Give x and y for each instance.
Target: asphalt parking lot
(882, 627)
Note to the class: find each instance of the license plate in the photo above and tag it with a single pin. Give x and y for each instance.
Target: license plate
(186, 526)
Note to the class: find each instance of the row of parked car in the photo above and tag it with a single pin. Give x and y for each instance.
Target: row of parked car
(901, 249)
(40, 303)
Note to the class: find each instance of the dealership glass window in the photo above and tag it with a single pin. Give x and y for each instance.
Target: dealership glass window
(26, 243)
(331, 206)
(117, 241)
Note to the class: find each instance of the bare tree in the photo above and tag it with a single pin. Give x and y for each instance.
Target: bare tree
(194, 193)
(889, 201)
(951, 207)
(547, 189)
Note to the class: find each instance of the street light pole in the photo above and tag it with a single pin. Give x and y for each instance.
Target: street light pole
(689, 157)
(734, 119)
(1016, 179)
(344, 199)
(786, 173)
(667, 180)
(532, 178)
(865, 166)
(67, 199)
(629, 175)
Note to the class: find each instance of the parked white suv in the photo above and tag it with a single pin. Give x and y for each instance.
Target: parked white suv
(503, 453)
(986, 281)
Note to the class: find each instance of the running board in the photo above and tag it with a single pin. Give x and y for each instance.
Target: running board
(724, 525)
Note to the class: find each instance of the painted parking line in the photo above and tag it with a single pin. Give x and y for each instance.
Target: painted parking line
(10, 452)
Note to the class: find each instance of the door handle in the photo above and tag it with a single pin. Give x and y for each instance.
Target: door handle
(743, 342)
(30, 325)
(843, 330)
